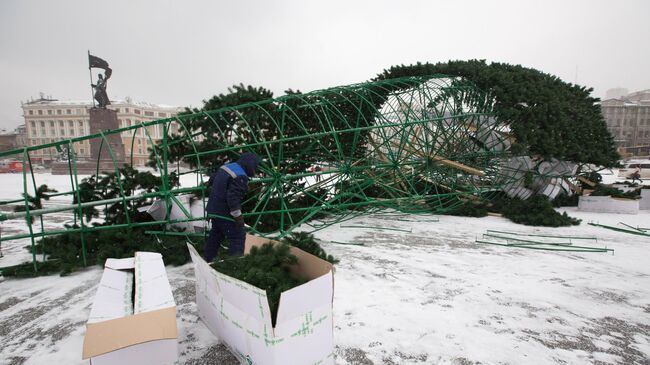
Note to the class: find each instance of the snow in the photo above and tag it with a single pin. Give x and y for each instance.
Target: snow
(431, 295)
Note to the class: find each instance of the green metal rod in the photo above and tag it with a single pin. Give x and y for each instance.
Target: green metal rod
(572, 246)
(629, 226)
(527, 241)
(383, 228)
(72, 156)
(542, 235)
(546, 248)
(348, 243)
(619, 229)
(13, 215)
(59, 194)
(173, 233)
(81, 139)
(4, 202)
(96, 228)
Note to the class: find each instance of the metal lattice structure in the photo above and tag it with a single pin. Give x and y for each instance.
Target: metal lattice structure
(417, 144)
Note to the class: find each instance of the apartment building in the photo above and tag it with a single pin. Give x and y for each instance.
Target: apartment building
(48, 120)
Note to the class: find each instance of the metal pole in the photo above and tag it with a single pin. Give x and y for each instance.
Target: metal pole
(92, 94)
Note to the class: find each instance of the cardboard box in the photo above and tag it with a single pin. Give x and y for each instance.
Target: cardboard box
(133, 317)
(238, 313)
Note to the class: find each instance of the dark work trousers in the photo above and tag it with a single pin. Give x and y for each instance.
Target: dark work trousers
(224, 229)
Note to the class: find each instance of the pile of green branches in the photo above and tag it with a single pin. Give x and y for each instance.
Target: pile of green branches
(534, 211)
(565, 200)
(308, 243)
(265, 267)
(548, 117)
(606, 190)
(470, 208)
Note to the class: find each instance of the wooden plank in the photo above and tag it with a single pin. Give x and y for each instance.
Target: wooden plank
(587, 181)
(444, 161)
(457, 165)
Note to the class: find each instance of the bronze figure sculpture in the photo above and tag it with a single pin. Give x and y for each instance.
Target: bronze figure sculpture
(100, 92)
(100, 88)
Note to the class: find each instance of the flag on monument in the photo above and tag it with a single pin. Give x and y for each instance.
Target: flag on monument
(94, 61)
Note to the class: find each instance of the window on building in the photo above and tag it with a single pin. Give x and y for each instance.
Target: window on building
(136, 111)
(62, 132)
(32, 124)
(60, 123)
(148, 114)
(40, 112)
(30, 112)
(71, 131)
(42, 123)
(117, 110)
(70, 123)
(51, 123)
(163, 115)
(82, 151)
(68, 111)
(126, 110)
(59, 111)
(49, 112)
(52, 132)
(81, 124)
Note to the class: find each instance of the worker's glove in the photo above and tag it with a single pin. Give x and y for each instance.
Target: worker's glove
(239, 221)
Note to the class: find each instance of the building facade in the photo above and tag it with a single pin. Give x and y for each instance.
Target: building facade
(49, 120)
(7, 140)
(628, 120)
(10, 140)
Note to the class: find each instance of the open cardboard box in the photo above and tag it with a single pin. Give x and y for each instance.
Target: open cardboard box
(239, 315)
(133, 317)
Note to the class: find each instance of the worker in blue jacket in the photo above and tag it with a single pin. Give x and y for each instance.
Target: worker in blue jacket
(229, 187)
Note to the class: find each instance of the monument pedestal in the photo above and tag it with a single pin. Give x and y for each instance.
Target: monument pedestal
(101, 119)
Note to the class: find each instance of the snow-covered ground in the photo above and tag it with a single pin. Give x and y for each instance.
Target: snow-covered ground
(425, 293)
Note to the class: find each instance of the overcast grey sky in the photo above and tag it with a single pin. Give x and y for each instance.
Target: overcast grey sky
(181, 52)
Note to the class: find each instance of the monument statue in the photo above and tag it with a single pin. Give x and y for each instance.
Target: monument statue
(100, 92)
(100, 88)
(106, 152)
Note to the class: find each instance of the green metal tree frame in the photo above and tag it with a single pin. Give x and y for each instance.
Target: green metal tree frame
(416, 144)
